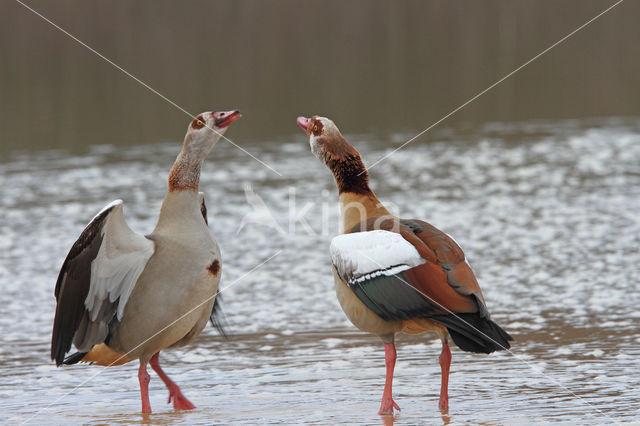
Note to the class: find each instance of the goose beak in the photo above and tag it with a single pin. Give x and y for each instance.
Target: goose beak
(223, 118)
(303, 122)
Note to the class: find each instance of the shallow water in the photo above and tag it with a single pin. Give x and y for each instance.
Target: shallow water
(547, 213)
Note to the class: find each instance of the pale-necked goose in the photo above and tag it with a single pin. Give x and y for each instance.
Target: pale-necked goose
(123, 296)
(397, 275)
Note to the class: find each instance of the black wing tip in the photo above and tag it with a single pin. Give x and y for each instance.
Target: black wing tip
(218, 324)
(60, 359)
(473, 333)
(58, 350)
(203, 207)
(72, 359)
(217, 317)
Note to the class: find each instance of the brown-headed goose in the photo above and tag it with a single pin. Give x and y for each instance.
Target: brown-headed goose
(122, 296)
(397, 275)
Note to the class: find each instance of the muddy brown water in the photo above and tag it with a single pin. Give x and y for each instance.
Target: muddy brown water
(547, 213)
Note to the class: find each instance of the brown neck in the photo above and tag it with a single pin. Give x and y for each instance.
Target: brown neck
(350, 174)
(355, 208)
(357, 200)
(185, 173)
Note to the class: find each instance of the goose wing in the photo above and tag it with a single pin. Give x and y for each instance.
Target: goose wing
(403, 269)
(374, 264)
(96, 280)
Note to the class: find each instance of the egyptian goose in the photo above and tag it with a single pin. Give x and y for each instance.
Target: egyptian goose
(398, 275)
(123, 296)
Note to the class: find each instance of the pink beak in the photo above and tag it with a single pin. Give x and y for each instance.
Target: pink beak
(303, 122)
(224, 118)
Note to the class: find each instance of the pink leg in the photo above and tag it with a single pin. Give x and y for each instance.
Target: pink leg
(144, 379)
(445, 363)
(387, 405)
(180, 402)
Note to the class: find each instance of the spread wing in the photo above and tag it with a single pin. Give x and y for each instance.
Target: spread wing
(96, 280)
(411, 270)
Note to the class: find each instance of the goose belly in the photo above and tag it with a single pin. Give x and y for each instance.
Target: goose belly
(170, 303)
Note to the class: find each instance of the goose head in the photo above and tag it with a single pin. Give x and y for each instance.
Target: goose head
(206, 129)
(344, 161)
(325, 139)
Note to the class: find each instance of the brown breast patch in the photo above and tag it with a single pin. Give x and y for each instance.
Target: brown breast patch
(214, 268)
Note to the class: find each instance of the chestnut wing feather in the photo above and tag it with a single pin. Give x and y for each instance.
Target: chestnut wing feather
(448, 279)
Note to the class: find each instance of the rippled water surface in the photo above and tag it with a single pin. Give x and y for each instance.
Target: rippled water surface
(547, 212)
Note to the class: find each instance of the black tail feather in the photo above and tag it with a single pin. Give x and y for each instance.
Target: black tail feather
(473, 333)
(217, 317)
(74, 358)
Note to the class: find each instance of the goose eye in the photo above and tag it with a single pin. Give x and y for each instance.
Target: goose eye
(315, 128)
(197, 123)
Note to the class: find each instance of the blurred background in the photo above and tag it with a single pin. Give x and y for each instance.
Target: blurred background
(538, 180)
(374, 66)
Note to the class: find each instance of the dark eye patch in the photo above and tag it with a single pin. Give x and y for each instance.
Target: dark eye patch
(316, 127)
(197, 122)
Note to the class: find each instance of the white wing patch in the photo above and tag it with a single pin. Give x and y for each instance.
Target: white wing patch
(361, 256)
(121, 259)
